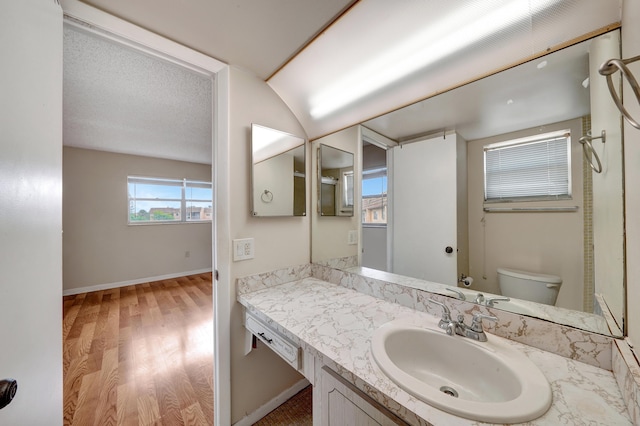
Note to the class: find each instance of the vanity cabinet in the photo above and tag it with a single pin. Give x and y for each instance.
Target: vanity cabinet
(341, 404)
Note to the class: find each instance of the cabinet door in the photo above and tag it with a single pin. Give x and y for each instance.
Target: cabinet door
(343, 404)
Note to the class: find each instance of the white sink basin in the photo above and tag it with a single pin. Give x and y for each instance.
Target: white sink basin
(492, 381)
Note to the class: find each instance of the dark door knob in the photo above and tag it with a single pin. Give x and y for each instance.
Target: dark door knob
(449, 249)
(8, 389)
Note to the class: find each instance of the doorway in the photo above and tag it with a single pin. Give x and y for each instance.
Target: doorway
(122, 33)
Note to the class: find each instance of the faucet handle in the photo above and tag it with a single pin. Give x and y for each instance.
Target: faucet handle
(446, 314)
(458, 293)
(476, 321)
(490, 301)
(479, 298)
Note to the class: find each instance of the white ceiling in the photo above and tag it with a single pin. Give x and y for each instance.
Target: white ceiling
(261, 36)
(256, 35)
(522, 97)
(374, 36)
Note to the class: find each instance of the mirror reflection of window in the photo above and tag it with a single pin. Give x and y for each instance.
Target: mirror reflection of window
(336, 180)
(529, 169)
(347, 189)
(374, 196)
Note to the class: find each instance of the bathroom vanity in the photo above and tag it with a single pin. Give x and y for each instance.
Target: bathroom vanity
(331, 325)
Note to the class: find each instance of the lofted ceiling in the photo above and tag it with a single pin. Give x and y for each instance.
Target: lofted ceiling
(307, 50)
(256, 35)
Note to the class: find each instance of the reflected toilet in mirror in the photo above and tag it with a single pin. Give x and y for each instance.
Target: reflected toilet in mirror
(531, 286)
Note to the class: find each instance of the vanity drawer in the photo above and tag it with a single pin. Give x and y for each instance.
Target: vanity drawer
(284, 347)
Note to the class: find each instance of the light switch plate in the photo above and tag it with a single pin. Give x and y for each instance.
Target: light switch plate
(243, 249)
(352, 238)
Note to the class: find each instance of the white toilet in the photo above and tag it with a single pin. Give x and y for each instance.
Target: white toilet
(530, 286)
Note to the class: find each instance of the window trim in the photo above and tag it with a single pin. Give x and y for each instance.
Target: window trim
(183, 184)
(560, 134)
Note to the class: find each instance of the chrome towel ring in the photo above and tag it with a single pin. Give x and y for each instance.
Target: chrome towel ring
(607, 69)
(587, 148)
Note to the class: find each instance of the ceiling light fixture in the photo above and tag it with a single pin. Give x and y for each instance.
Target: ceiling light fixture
(428, 47)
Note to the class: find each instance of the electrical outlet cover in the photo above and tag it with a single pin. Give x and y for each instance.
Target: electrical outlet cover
(243, 249)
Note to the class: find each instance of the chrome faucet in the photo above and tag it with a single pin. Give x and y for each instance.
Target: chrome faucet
(474, 331)
(458, 293)
(446, 323)
(491, 301)
(479, 298)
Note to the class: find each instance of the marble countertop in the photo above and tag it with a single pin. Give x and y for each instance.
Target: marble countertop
(336, 324)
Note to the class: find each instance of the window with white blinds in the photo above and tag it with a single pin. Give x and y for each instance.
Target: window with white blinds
(529, 169)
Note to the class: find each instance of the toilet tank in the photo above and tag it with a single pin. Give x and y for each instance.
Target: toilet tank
(532, 286)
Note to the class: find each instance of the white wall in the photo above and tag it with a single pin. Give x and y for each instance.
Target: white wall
(276, 176)
(330, 233)
(374, 247)
(608, 214)
(631, 48)
(99, 247)
(279, 241)
(31, 210)
(550, 243)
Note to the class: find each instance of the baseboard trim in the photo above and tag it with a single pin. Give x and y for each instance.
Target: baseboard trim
(108, 286)
(273, 404)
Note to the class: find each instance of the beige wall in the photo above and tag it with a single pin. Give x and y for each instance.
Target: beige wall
(99, 247)
(631, 48)
(550, 243)
(330, 233)
(279, 241)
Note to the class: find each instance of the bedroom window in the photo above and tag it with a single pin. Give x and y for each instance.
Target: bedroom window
(529, 169)
(159, 200)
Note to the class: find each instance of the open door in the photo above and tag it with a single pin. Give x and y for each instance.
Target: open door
(31, 210)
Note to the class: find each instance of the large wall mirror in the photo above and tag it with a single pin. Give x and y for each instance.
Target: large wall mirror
(432, 157)
(278, 173)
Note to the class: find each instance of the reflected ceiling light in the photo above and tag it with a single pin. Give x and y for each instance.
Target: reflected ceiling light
(542, 65)
(427, 47)
(585, 82)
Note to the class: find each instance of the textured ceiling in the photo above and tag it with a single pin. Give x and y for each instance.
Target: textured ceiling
(120, 100)
(257, 35)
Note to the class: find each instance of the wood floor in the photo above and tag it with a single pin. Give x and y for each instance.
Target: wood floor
(140, 355)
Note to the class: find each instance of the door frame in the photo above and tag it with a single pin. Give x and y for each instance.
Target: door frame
(121, 31)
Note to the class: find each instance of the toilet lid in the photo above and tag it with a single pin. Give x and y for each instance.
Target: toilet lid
(525, 275)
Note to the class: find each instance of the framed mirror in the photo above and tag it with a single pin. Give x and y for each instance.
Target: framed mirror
(278, 173)
(335, 182)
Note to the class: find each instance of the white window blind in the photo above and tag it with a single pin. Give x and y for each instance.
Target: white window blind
(527, 169)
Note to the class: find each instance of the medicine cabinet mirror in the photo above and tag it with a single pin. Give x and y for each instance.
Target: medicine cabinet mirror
(335, 182)
(278, 173)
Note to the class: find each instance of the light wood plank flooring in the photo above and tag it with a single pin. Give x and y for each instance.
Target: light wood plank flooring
(140, 355)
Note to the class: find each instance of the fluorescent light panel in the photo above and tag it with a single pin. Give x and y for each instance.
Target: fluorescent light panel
(460, 30)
